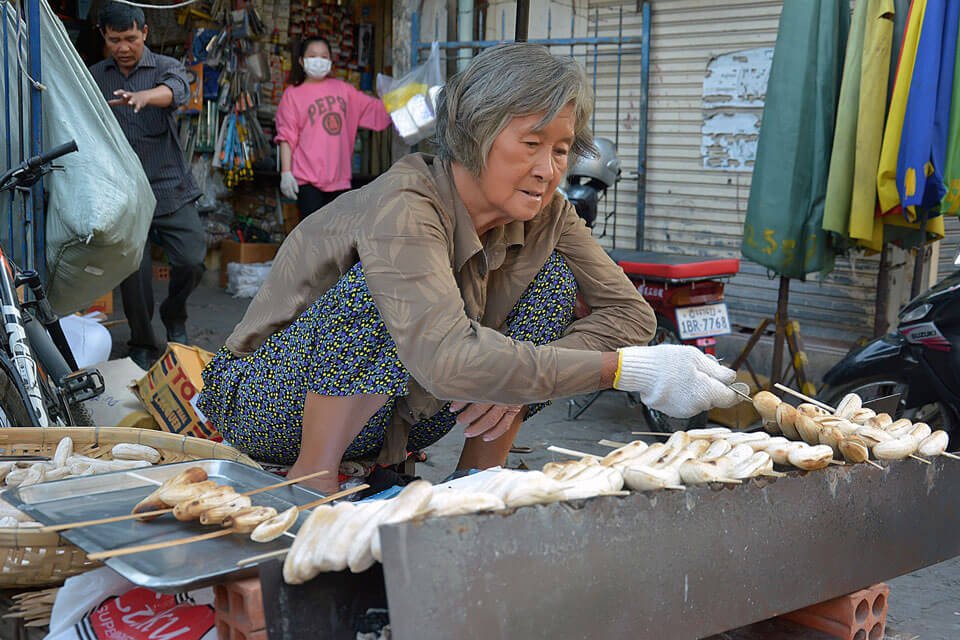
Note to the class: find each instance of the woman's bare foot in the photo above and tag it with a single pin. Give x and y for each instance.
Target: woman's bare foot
(325, 484)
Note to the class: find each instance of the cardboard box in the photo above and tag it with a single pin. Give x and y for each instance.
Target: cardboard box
(291, 216)
(117, 406)
(103, 304)
(170, 388)
(244, 252)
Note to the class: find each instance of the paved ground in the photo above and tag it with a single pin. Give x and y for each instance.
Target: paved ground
(923, 605)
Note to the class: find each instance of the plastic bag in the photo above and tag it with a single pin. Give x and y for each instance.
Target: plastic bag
(103, 605)
(245, 279)
(89, 340)
(411, 101)
(100, 207)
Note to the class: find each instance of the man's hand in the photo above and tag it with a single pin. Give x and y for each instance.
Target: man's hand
(489, 420)
(160, 96)
(136, 99)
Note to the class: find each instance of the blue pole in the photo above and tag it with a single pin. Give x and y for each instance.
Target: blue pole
(36, 136)
(642, 143)
(550, 42)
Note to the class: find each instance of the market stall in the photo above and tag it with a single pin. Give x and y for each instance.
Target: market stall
(708, 531)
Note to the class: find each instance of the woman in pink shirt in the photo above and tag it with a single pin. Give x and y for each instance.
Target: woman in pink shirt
(317, 123)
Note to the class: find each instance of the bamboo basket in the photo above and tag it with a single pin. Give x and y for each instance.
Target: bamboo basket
(34, 559)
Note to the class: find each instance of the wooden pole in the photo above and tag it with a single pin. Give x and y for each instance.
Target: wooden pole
(780, 320)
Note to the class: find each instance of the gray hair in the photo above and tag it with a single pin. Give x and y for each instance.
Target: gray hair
(504, 82)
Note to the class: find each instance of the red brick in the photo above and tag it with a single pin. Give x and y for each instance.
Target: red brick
(239, 610)
(861, 615)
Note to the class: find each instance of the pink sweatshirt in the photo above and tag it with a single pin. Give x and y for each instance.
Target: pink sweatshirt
(319, 120)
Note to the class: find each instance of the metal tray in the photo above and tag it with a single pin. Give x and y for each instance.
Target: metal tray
(167, 570)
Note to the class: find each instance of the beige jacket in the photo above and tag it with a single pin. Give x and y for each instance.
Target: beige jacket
(444, 294)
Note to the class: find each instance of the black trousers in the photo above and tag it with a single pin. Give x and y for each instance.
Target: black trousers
(309, 199)
(182, 237)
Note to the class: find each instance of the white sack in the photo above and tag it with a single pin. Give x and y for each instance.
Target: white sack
(101, 207)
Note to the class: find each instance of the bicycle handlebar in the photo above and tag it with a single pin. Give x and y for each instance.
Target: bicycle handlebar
(32, 169)
(49, 156)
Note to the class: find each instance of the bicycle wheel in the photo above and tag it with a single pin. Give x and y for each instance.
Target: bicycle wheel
(13, 408)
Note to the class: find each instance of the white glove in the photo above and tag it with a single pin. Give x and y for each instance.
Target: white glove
(678, 380)
(288, 185)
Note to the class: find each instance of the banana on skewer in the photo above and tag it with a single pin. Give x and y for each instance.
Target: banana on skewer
(787, 416)
(811, 457)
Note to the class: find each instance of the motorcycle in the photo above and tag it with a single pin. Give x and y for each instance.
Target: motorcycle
(686, 292)
(919, 361)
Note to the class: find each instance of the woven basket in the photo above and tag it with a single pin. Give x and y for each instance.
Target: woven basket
(34, 559)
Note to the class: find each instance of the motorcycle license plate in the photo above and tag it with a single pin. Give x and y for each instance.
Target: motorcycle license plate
(699, 322)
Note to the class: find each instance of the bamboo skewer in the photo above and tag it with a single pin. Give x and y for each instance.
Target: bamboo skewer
(571, 452)
(285, 483)
(919, 459)
(155, 546)
(950, 455)
(279, 553)
(875, 464)
(159, 512)
(611, 443)
(797, 394)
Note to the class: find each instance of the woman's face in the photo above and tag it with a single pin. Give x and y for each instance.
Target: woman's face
(524, 167)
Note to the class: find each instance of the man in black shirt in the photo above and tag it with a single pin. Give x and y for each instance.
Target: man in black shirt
(145, 89)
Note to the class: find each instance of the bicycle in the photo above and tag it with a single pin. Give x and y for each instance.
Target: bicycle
(40, 384)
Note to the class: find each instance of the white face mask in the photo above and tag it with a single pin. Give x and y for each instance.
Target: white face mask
(316, 67)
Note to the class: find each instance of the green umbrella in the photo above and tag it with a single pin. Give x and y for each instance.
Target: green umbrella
(852, 186)
(784, 224)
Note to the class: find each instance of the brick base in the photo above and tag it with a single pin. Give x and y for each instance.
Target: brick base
(861, 615)
(239, 610)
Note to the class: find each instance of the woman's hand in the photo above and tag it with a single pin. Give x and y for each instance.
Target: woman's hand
(678, 380)
(489, 420)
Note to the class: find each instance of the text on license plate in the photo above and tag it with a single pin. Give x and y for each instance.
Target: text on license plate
(699, 322)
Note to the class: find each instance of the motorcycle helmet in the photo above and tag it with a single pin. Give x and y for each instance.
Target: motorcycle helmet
(584, 199)
(604, 167)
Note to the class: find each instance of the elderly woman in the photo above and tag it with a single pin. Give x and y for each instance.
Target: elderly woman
(443, 294)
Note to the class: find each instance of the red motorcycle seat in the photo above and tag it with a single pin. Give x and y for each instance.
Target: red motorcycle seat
(673, 266)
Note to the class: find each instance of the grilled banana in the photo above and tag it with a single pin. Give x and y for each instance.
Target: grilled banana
(246, 520)
(276, 526)
(895, 449)
(703, 471)
(647, 478)
(618, 456)
(810, 458)
(934, 444)
(873, 435)
(716, 449)
(848, 406)
(920, 431)
(808, 429)
(766, 405)
(855, 450)
(787, 420)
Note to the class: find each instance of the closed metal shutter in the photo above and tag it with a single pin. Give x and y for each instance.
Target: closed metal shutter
(949, 246)
(698, 211)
